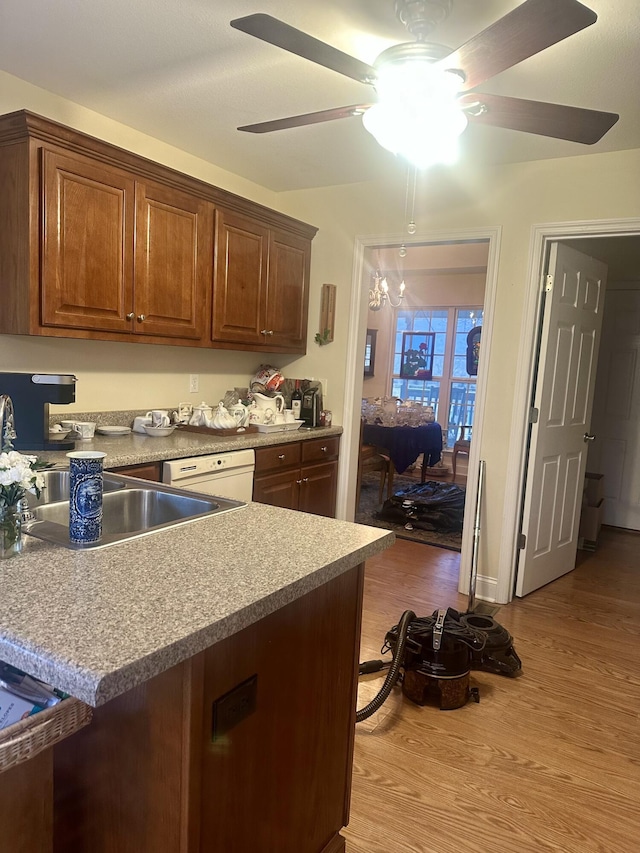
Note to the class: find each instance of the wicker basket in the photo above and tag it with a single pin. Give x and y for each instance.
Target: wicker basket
(25, 739)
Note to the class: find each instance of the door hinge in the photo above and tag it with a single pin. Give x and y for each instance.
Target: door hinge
(533, 415)
(548, 283)
(522, 542)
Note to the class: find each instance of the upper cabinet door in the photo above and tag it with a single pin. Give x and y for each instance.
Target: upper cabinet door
(87, 233)
(240, 283)
(288, 295)
(173, 263)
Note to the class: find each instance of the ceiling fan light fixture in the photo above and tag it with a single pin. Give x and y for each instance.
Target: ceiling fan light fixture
(418, 115)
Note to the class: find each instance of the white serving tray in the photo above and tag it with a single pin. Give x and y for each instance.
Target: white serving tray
(279, 427)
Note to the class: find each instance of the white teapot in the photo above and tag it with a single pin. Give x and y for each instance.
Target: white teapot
(240, 414)
(201, 414)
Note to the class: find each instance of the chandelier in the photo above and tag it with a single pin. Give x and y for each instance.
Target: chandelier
(380, 293)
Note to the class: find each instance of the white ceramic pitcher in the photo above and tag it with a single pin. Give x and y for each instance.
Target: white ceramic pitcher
(266, 408)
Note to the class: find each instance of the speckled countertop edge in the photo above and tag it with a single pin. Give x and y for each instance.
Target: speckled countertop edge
(137, 449)
(98, 623)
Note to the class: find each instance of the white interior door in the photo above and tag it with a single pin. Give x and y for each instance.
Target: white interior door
(616, 416)
(565, 385)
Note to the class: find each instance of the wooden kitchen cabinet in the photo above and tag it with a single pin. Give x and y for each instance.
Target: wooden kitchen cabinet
(99, 243)
(147, 471)
(88, 233)
(301, 475)
(173, 266)
(261, 285)
(220, 752)
(119, 254)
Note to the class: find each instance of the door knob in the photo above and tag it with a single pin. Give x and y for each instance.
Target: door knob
(588, 437)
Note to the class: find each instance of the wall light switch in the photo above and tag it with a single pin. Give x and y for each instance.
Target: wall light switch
(194, 383)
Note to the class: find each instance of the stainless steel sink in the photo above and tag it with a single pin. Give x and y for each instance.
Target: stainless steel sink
(56, 487)
(130, 508)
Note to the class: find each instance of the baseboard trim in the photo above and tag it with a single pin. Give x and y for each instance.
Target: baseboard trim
(336, 845)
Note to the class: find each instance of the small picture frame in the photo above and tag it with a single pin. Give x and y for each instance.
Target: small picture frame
(370, 352)
(416, 360)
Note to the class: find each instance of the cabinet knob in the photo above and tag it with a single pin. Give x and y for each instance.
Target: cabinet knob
(141, 317)
(266, 332)
(323, 449)
(270, 332)
(281, 456)
(131, 315)
(305, 479)
(298, 482)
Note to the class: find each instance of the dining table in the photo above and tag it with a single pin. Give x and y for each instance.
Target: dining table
(404, 444)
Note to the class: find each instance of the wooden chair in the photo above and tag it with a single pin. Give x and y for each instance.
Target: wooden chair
(374, 459)
(462, 445)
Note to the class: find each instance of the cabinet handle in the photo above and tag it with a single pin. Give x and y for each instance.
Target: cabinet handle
(323, 449)
(281, 456)
(131, 315)
(305, 479)
(141, 317)
(270, 332)
(298, 482)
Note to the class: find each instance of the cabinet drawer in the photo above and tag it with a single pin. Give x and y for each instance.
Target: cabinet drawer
(278, 457)
(320, 449)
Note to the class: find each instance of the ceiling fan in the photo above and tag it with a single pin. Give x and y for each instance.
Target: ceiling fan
(426, 84)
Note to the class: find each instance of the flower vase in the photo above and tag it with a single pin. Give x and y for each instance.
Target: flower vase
(10, 531)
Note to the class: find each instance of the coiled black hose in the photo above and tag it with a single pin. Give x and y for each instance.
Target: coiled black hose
(394, 670)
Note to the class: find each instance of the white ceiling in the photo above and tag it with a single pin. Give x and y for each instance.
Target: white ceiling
(176, 70)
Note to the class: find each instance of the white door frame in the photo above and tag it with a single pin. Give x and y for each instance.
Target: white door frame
(541, 236)
(354, 379)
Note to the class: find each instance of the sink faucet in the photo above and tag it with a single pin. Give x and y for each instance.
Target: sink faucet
(7, 423)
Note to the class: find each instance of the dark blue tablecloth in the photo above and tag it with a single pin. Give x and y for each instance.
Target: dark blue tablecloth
(405, 443)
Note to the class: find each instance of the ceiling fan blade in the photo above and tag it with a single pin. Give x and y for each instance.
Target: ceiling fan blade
(530, 28)
(295, 41)
(556, 120)
(307, 118)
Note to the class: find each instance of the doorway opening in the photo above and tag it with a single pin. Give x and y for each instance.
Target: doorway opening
(616, 244)
(367, 262)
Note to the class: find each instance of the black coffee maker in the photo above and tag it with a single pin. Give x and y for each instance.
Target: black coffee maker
(31, 394)
(311, 406)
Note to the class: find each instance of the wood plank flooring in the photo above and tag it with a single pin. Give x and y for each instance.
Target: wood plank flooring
(549, 761)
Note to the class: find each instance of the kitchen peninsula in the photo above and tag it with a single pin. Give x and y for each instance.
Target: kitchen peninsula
(221, 659)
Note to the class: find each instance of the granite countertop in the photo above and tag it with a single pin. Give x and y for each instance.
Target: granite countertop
(137, 449)
(98, 623)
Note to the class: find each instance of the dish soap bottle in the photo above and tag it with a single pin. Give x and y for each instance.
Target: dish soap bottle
(296, 401)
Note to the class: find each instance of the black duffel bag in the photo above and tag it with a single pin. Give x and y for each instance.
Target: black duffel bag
(427, 506)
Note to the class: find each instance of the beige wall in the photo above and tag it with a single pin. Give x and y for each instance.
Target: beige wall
(515, 197)
(585, 187)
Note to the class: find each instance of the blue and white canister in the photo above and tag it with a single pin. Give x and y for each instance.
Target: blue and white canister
(85, 495)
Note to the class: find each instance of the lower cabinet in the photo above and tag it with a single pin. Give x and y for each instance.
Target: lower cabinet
(301, 475)
(245, 748)
(148, 471)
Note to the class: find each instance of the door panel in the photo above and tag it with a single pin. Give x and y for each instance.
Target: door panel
(571, 325)
(240, 287)
(87, 256)
(288, 290)
(173, 262)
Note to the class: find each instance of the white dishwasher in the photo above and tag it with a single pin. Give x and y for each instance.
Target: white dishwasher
(229, 475)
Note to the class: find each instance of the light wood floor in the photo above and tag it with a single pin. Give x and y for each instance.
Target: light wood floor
(549, 761)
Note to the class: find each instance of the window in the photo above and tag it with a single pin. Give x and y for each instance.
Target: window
(451, 391)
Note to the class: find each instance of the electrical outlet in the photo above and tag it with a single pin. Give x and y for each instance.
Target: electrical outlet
(194, 383)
